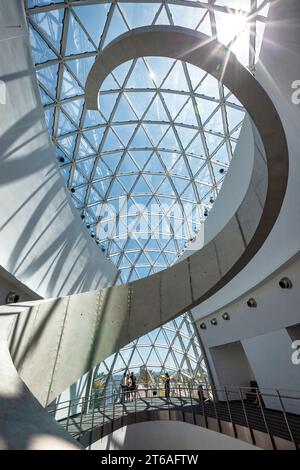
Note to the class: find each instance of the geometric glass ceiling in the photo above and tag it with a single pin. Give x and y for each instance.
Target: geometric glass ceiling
(145, 170)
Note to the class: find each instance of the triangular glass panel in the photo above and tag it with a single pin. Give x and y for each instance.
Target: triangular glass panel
(215, 123)
(196, 146)
(154, 181)
(139, 101)
(140, 76)
(162, 17)
(85, 148)
(169, 158)
(140, 139)
(39, 49)
(140, 157)
(107, 102)
(186, 17)
(69, 86)
(188, 115)
(186, 134)
(117, 27)
(141, 186)
(155, 131)
(159, 67)
(112, 160)
(74, 109)
(51, 25)
(139, 14)
(154, 165)
(116, 189)
(180, 184)
(213, 141)
(93, 118)
(180, 168)
(209, 87)
(86, 167)
(124, 111)
(205, 108)
(221, 155)
(94, 136)
(48, 77)
(195, 74)
(45, 98)
(93, 17)
(204, 175)
(102, 186)
(109, 84)
(127, 165)
(174, 102)
(153, 359)
(78, 178)
(176, 79)
(121, 72)
(49, 116)
(101, 170)
(127, 181)
(234, 117)
(156, 112)
(64, 124)
(77, 40)
(195, 164)
(68, 144)
(205, 26)
(111, 142)
(125, 132)
(166, 188)
(81, 68)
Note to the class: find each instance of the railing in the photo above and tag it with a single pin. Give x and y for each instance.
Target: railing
(272, 412)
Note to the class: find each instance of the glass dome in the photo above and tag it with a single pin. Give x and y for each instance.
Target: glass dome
(145, 170)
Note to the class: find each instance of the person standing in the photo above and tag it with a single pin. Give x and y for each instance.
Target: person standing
(133, 385)
(128, 386)
(166, 380)
(123, 388)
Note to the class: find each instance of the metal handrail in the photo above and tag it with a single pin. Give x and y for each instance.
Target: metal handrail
(185, 394)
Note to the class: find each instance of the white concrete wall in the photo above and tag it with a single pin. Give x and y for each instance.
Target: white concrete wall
(264, 334)
(168, 435)
(43, 241)
(277, 69)
(270, 358)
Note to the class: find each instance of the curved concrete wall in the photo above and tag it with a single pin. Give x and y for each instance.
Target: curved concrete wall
(43, 242)
(175, 435)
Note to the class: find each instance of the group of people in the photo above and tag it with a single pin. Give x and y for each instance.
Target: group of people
(128, 387)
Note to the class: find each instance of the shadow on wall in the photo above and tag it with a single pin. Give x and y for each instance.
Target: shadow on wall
(26, 425)
(47, 238)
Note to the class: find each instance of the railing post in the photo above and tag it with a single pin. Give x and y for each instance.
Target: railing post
(113, 411)
(215, 409)
(192, 408)
(68, 417)
(287, 421)
(203, 408)
(246, 418)
(81, 417)
(229, 411)
(93, 418)
(264, 419)
(103, 415)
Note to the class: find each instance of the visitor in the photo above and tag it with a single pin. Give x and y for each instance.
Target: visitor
(166, 380)
(128, 386)
(123, 388)
(133, 385)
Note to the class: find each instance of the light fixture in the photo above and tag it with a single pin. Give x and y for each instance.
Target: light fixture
(61, 159)
(82, 216)
(285, 283)
(226, 316)
(12, 298)
(88, 226)
(211, 200)
(252, 303)
(72, 190)
(214, 321)
(92, 235)
(205, 213)
(203, 326)
(222, 171)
